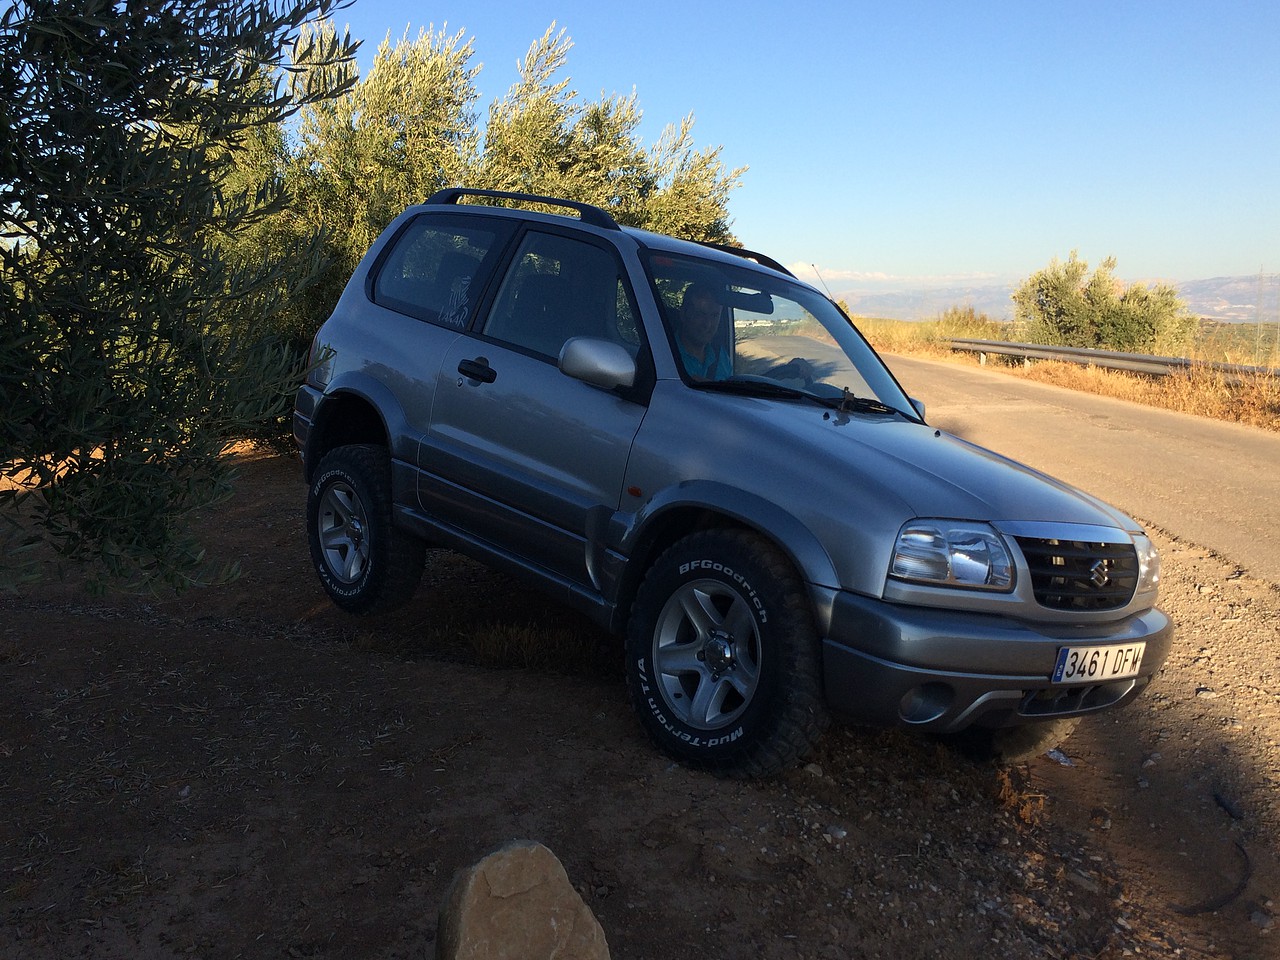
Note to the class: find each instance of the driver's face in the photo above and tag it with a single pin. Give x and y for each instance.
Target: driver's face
(700, 320)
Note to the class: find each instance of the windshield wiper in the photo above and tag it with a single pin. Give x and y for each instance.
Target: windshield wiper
(756, 388)
(846, 403)
(849, 402)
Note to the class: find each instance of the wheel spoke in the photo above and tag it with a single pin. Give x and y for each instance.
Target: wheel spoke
(343, 504)
(708, 701)
(743, 678)
(354, 562)
(700, 610)
(740, 621)
(334, 537)
(679, 658)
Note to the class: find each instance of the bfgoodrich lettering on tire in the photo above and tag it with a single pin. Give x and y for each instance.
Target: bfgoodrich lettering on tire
(723, 658)
(365, 564)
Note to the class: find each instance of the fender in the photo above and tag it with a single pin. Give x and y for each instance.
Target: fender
(384, 405)
(791, 536)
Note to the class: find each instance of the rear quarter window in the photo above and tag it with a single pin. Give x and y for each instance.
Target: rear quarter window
(436, 267)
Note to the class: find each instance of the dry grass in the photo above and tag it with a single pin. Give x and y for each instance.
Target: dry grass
(1253, 400)
(889, 336)
(930, 337)
(1016, 796)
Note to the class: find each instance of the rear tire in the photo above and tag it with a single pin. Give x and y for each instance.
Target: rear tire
(723, 661)
(365, 563)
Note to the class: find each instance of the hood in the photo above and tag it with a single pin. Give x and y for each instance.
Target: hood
(931, 473)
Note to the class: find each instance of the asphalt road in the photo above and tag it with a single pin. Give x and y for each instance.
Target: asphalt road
(1213, 484)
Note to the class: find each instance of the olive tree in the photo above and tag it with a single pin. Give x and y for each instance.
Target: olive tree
(541, 139)
(131, 350)
(394, 137)
(1065, 305)
(412, 126)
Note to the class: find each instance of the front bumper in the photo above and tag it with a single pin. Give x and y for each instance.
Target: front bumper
(944, 670)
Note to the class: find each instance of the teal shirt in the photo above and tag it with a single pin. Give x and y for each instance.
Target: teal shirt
(715, 364)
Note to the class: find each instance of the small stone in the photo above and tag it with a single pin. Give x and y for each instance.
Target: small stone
(814, 769)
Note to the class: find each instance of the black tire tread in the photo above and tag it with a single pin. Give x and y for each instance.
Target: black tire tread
(802, 717)
(399, 556)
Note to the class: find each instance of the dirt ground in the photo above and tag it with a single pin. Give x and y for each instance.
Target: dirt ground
(246, 772)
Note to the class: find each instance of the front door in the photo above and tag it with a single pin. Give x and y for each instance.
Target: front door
(517, 451)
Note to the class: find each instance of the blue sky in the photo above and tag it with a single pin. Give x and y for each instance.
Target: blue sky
(907, 144)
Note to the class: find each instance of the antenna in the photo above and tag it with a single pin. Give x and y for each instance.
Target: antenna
(821, 281)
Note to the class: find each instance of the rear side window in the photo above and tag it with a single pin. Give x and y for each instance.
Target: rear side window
(560, 287)
(436, 267)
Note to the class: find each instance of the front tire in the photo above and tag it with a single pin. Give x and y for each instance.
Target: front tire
(365, 564)
(723, 661)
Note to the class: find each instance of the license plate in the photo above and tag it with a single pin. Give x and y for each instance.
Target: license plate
(1098, 664)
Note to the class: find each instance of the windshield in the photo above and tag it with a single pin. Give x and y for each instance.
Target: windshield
(732, 326)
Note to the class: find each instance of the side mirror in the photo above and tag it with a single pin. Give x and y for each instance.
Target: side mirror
(919, 405)
(601, 363)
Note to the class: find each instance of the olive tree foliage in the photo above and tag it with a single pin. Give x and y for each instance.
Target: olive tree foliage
(390, 140)
(413, 126)
(132, 347)
(1065, 305)
(540, 138)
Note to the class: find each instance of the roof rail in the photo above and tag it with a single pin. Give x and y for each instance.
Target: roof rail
(595, 216)
(760, 258)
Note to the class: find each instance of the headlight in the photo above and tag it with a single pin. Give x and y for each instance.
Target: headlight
(1148, 564)
(952, 553)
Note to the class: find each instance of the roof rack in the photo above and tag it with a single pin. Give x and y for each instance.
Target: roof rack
(590, 214)
(760, 258)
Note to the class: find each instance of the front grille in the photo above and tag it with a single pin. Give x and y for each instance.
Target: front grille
(1075, 575)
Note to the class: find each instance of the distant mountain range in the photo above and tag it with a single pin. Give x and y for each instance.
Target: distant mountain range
(1226, 299)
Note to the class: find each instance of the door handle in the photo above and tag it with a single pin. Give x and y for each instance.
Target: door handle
(478, 369)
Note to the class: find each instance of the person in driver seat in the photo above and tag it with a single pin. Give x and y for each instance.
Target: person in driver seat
(700, 313)
(704, 356)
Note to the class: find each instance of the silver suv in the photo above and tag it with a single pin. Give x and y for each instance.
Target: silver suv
(704, 455)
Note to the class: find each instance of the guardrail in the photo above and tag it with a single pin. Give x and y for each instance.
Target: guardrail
(1113, 360)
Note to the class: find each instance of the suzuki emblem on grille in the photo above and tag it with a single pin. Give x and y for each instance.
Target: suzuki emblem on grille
(1099, 575)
